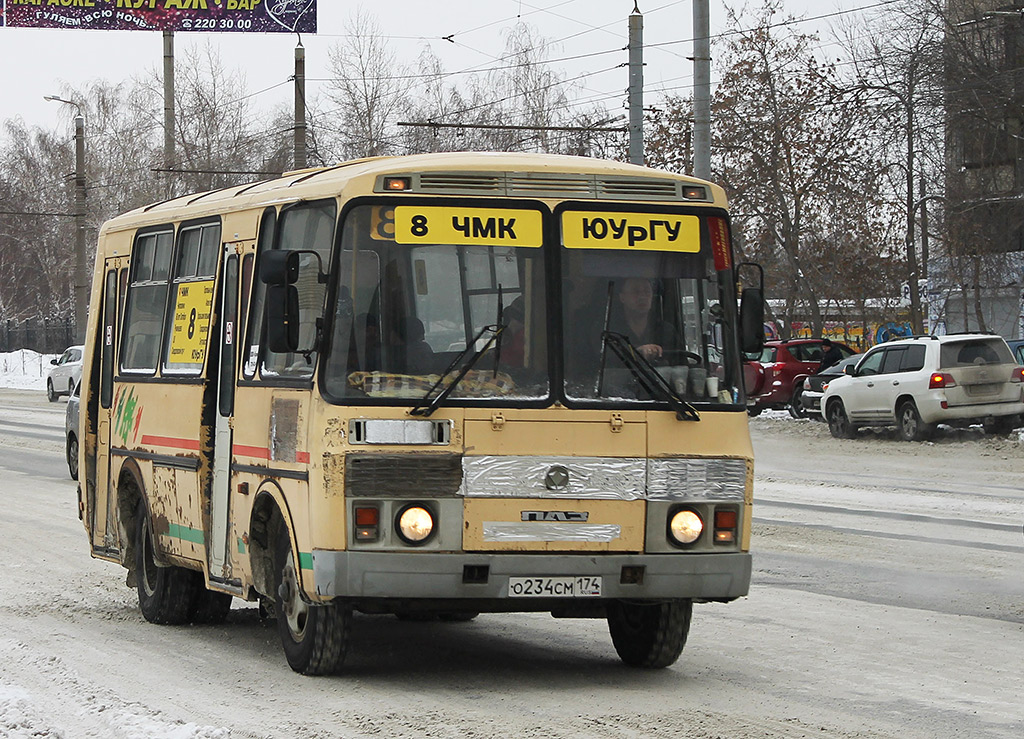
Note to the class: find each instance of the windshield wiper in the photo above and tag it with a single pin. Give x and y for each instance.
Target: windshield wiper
(428, 404)
(648, 377)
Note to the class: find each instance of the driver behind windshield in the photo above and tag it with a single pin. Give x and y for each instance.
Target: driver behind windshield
(634, 318)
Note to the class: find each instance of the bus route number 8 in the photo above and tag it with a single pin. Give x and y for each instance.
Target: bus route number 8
(418, 226)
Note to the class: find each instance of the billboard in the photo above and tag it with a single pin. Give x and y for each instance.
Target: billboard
(245, 16)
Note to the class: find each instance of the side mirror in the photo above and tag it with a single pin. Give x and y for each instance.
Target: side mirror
(850, 369)
(53, 361)
(280, 271)
(752, 320)
(279, 267)
(282, 318)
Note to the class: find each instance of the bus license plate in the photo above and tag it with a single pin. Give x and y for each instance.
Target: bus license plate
(554, 587)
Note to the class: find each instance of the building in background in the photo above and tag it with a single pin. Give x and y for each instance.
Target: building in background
(978, 283)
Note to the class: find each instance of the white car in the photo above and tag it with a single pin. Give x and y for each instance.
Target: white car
(66, 373)
(914, 384)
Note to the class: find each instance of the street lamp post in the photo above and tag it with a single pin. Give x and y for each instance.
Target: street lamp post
(81, 278)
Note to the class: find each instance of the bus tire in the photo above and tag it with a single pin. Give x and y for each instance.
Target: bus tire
(315, 637)
(649, 635)
(208, 606)
(165, 592)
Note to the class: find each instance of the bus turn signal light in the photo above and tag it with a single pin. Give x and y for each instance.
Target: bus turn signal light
(367, 524)
(725, 526)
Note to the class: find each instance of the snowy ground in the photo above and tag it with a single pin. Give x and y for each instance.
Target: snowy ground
(25, 370)
(907, 623)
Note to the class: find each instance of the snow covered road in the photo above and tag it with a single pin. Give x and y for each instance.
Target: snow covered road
(888, 601)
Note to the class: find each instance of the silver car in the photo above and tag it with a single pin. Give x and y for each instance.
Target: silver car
(66, 373)
(71, 431)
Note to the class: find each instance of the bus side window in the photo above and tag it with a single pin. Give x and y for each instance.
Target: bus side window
(243, 309)
(192, 293)
(309, 227)
(146, 301)
(259, 291)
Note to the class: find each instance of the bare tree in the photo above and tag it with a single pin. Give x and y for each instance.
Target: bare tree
(901, 73)
(788, 148)
(369, 88)
(517, 105)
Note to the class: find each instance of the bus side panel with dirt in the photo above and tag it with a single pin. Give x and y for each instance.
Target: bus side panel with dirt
(432, 386)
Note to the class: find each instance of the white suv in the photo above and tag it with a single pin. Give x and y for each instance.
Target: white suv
(914, 384)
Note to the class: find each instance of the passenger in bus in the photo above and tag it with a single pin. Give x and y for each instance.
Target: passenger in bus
(419, 356)
(513, 338)
(368, 329)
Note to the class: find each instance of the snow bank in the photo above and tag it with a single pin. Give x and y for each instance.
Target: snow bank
(25, 369)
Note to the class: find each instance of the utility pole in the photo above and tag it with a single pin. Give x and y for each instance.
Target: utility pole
(81, 276)
(701, 90)
(636, 86)
(81, 269)
(169, 111)
(300, 107)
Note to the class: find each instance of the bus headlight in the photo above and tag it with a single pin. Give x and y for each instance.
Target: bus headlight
(415, 524)
(685, 527)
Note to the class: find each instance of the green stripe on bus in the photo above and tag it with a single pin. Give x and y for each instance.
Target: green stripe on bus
(177, 531)
(306, 560)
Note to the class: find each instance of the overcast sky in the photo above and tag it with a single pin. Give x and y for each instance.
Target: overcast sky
(35, 62)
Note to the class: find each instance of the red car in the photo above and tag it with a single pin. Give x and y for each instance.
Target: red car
(774, 378)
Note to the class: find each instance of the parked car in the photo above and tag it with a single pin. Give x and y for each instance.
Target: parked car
(66, 373)
(1017, 347)
(71, 431)
(914, 384)
(809, 395)
(775, 375)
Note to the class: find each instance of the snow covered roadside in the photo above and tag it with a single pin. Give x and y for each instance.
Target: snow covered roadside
(25, 369)
(25, 711)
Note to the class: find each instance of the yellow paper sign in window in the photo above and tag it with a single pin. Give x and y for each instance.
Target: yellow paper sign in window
(641, 231)
(191, 327)
(477, 226)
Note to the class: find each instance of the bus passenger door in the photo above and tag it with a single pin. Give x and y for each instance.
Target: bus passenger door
(220, 563)
(103, 514)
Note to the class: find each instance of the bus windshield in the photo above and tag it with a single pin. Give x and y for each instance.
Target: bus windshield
(653, 279)
(417, 284)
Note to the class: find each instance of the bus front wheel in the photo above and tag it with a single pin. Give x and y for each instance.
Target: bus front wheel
(649, 635)
(315, 637)
(165, 592)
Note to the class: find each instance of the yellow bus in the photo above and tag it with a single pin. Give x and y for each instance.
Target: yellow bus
(431, 386)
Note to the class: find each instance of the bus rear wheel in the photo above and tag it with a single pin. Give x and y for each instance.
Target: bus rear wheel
(315, 637)
(166, 593)
(649, 635)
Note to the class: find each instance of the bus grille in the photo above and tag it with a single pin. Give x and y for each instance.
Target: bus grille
(403, 475)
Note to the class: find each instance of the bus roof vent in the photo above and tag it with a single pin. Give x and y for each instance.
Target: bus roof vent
(639, 188)
(554, 185)
(460, 182)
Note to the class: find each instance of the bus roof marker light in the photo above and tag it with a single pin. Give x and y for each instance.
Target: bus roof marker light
(397, 184)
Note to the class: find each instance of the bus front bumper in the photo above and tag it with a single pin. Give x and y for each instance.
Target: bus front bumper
(387, 575)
